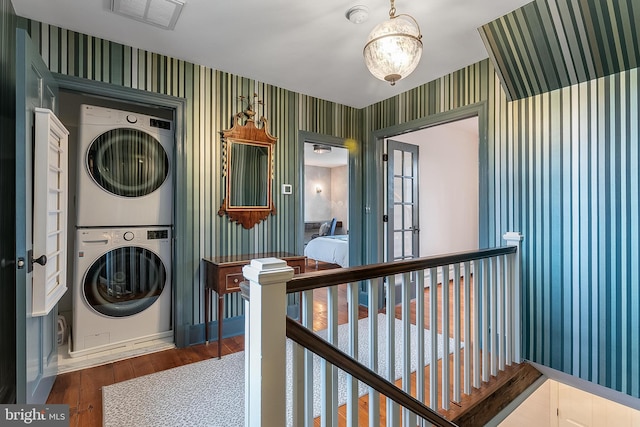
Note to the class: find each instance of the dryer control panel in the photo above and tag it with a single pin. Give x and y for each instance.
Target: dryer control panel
(157, 234)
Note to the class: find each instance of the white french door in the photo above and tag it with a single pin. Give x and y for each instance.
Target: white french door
(403, 228)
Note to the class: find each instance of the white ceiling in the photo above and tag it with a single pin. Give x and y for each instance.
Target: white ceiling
(306, 46)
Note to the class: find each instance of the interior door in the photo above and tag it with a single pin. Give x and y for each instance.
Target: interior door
(402, 201)
(36, 351)
(7, 212)
(403, 238)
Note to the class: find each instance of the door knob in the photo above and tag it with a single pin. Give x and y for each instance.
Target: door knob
(7, 262)
(42, 260)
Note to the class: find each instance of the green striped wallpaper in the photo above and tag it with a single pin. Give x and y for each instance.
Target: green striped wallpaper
(563, 169)
(550, 44)
(212, 100)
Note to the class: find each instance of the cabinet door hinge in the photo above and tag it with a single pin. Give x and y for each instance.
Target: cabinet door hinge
(385, 218)
(385, 157)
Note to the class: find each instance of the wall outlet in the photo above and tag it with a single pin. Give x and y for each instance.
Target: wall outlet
(287, 188)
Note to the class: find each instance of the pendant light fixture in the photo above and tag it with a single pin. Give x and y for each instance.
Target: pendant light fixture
(394, 47)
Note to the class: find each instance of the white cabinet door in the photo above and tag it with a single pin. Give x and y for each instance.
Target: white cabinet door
(50, 194)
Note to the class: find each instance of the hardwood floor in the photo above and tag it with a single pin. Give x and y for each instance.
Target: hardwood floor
(82, 390)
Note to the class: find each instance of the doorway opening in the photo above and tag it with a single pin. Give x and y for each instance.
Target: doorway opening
(432, 192)
(448, 190)
(326, 205)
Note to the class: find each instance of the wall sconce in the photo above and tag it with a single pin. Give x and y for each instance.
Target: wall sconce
(318, 189)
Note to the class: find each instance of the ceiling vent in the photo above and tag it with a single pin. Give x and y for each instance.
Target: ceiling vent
(161, 13)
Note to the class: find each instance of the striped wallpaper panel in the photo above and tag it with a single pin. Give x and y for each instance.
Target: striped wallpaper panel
(212, 100)
(578, 156)
(550, 44)
(563, 169)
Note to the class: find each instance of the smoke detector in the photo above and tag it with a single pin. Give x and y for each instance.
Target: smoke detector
(357, 14)
(161, 13)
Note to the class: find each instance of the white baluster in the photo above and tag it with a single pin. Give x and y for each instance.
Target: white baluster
(456, 333)
(352, 383)
(445, 338)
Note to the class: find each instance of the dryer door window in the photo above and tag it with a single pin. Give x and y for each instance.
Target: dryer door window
(127, 162)
(124, 281)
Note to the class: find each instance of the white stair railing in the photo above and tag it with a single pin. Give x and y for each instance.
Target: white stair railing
(472, 313)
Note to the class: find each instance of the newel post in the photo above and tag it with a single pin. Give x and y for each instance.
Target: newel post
(265, 342)
(513, 238)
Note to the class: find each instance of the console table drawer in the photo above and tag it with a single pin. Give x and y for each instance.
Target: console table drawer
(224, 275)
(232, 282)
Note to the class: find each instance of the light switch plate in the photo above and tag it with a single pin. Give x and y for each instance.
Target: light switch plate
(286, 188)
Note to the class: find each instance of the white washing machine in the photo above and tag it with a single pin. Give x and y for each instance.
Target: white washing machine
(122, 290)
(124, 169)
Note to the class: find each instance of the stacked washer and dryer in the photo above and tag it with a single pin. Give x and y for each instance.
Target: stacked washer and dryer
(124, 216)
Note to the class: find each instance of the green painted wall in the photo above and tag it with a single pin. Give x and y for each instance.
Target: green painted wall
(562, 168)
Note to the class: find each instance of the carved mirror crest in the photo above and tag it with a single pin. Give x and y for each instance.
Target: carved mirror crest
(248, 165)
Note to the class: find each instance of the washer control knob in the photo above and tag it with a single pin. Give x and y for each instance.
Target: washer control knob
(128, 236)
(131, 118)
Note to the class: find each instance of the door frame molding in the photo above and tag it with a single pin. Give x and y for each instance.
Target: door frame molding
(182, 294)
(355, 198)
(375, 250)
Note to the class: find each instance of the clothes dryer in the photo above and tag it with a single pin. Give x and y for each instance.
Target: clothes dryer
(124, 169)
(122, 290)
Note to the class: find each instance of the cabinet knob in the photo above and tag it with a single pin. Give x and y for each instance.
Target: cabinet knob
(235, 280)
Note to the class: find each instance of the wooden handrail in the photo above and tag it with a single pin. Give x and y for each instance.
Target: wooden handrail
(320, 279)
(336, 357)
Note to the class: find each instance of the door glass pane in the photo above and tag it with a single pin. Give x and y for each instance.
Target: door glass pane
(408, 216)
(127, 162)
(397, 244)
(408, 164)
(408, 243)
(397, 217)
(408, 190)
(397, 190)
(397, 162)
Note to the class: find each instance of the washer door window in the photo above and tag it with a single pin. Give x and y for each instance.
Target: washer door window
(127, 162)
(124, 281)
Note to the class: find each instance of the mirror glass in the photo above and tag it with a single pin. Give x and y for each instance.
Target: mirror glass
(248, 165)
(249, 174)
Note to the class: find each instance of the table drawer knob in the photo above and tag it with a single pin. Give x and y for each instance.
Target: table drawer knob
(232, 282)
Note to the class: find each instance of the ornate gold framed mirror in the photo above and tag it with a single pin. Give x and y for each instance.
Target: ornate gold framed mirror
(247, 165)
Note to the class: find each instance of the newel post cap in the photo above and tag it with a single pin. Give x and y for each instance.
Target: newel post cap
(267, 271)
(513, 237)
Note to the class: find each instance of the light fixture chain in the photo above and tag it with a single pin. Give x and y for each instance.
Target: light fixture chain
(392, 11)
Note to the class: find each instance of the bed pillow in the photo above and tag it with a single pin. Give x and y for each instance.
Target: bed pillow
(324, 229)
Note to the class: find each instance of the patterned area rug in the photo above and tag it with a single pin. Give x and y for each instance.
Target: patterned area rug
(211, 393)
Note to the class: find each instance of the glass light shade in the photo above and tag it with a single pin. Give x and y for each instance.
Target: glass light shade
(393, 49)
